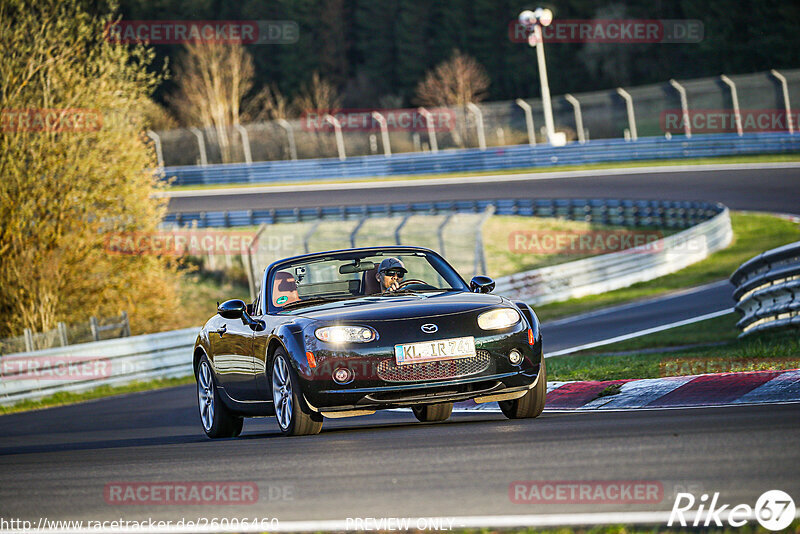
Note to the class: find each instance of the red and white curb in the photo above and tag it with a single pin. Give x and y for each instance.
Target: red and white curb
(723, 389)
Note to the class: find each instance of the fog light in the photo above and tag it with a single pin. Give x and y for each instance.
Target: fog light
(342, 375)
(515, 356)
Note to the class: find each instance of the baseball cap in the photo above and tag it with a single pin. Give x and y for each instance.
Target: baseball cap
(392, 263)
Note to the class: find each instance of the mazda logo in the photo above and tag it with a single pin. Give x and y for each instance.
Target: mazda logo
(429, 328)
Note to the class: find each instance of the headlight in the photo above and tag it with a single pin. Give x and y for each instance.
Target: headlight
(501, 318)
(345, 334)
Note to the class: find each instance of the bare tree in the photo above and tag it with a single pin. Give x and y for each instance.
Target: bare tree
(268, 104)
(212, 79)
(455, 82)
(318, 94)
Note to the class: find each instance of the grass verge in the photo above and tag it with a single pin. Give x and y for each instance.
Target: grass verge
(64, 397)
(764, 351)
(755, 158)
(753, 233)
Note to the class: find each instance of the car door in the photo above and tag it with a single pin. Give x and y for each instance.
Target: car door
(232, 345)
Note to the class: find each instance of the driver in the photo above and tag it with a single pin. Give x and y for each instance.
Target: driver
(390, 274)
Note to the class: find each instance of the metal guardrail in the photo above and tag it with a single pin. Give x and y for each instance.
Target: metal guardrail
(768, 290)
(607, 272)
(32, 375)
(665, 214)
(506, 157)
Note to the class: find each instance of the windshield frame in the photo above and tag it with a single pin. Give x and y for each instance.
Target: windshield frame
(435, 259)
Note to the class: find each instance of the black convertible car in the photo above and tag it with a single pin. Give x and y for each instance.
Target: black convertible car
(322, 339)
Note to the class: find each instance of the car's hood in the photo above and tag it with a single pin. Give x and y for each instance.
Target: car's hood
(397, 307)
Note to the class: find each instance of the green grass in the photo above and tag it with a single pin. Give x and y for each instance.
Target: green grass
(776, 350)
(754, 233)
(63, 398)
(756, 158)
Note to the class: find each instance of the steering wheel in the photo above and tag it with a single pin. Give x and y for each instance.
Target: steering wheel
(405, 283)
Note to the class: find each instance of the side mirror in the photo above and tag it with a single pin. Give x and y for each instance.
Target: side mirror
(232, 309)
(481, 284)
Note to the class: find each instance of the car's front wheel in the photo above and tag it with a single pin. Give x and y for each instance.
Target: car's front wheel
(432, 413)
(294, 417)
(217, 420)
(532, 403)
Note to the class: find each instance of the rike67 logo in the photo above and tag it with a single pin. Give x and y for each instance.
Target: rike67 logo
(774, 510)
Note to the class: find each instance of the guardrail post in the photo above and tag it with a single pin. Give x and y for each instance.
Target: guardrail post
(157, 142)
(283, 123)
(337, 128)
(387, 149)
(248, 157)
(687, 127)
(576, 106)
(431, 130)
(62, 334)
(201, 144)
(737, 116)
(528, 120)
(478, 124)
(781, 78)
(95, 330)
(629, 107)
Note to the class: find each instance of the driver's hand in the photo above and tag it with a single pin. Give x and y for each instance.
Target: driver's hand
(394, 287)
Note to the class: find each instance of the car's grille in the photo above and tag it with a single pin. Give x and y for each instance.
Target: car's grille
(389, 371)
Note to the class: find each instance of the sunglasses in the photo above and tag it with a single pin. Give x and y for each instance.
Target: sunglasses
(398, 274)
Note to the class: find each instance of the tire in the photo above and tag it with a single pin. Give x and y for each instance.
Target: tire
(530, 405)
(217, 421)
(293, 415)
(433, 413)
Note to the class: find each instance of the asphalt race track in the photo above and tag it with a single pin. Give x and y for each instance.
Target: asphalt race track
(56, 463)
(772, 189)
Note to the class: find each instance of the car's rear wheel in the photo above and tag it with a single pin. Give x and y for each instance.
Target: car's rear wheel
(530, 405)
(217, 420)
(294, 417)
(432, 413)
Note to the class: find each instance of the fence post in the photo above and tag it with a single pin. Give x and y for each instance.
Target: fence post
(337, 128)
(687, 127)
(126, 325)
(387, 150)
(737, 116)
(440, 232)
(95, 330)
(28, 339)
(354, 233)
(62, 334)
(310, 233)
(431, 130)
(157, 142)
(248, 157)
(480, 253)
(400, 227)
(283, 123)
(201, 144)
(478, 124)
(576, 106)
(528, 120)
(629, 107)
(781, 78)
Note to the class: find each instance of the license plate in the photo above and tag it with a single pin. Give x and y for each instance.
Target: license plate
(428, 351)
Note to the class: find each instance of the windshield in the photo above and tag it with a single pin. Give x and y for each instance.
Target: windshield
(350, 276)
